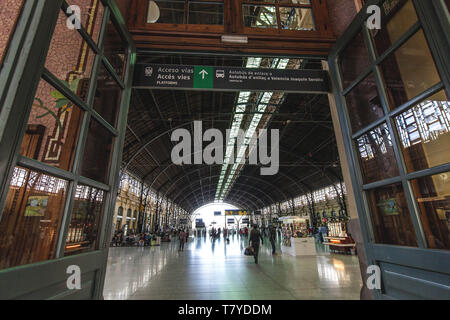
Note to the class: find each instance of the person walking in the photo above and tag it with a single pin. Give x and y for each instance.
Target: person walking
(182, 237)
(142, 240)
(322, 233)
(272, 238)
(255, 236)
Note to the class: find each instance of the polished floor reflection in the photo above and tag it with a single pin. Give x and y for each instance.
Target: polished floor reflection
(218, 271)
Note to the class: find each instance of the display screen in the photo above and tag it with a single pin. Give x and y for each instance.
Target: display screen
(236, 213)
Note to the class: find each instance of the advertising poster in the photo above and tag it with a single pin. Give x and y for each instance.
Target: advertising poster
(36, 206)
(80, 210)
(389, 207)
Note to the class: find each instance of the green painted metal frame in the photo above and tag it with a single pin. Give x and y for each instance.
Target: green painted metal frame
(437, 33)
(22, 74)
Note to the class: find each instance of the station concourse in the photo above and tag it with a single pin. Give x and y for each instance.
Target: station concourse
(224, 150)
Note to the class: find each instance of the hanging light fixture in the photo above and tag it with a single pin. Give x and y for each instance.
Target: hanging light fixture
(153, 12)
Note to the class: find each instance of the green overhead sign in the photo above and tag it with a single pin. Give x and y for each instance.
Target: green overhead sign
(181, 77)
(203, 77)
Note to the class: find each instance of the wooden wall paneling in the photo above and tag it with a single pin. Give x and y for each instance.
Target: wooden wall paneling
(197, 37)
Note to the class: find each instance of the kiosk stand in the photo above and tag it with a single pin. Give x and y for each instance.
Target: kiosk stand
(338, 240)
(296, 241)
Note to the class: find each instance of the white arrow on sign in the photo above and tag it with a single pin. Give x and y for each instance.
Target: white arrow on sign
(203, 73)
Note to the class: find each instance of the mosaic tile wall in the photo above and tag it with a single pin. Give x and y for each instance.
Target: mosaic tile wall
(71, 60)
(9, 12)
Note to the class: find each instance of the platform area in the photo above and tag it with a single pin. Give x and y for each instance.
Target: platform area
(209, 270)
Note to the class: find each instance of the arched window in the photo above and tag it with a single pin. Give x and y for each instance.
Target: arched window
(119, 218)
(129, 212)
(134, 221)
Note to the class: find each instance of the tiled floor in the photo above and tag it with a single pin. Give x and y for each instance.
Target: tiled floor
(217, 271)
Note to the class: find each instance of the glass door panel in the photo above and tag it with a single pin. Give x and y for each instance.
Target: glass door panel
(61, 181)
(433, 198)
(394, 110)
(31, 219)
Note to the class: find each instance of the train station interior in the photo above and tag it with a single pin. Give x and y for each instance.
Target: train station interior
(224, 150)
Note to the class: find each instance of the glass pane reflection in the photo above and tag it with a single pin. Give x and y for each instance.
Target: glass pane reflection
(97, 154)
(363, 104)
(376, 155)
(260, 16)
(424, 132)
(296, 18)
(107, 97)
(354, 60)
(74, 66)
(86, 220)
(399, 17)
(31, 218)
(171, 12)
(205, 13)
(115, 49)
(433, 198)
(391, 219)
(409, 71)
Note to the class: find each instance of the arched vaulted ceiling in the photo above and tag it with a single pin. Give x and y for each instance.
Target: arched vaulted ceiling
(308, 153)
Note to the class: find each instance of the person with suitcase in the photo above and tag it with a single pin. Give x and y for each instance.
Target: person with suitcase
(255, 237)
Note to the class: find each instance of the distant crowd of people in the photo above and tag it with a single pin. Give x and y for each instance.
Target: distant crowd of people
(129, 240)
(144, 239)
(120, 239)
(216, 233)
(255, 237)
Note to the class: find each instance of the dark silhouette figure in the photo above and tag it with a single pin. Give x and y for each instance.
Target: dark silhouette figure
(255, 236)
(272, 238)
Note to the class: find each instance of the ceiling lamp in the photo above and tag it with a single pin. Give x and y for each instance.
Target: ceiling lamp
(153, 12)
